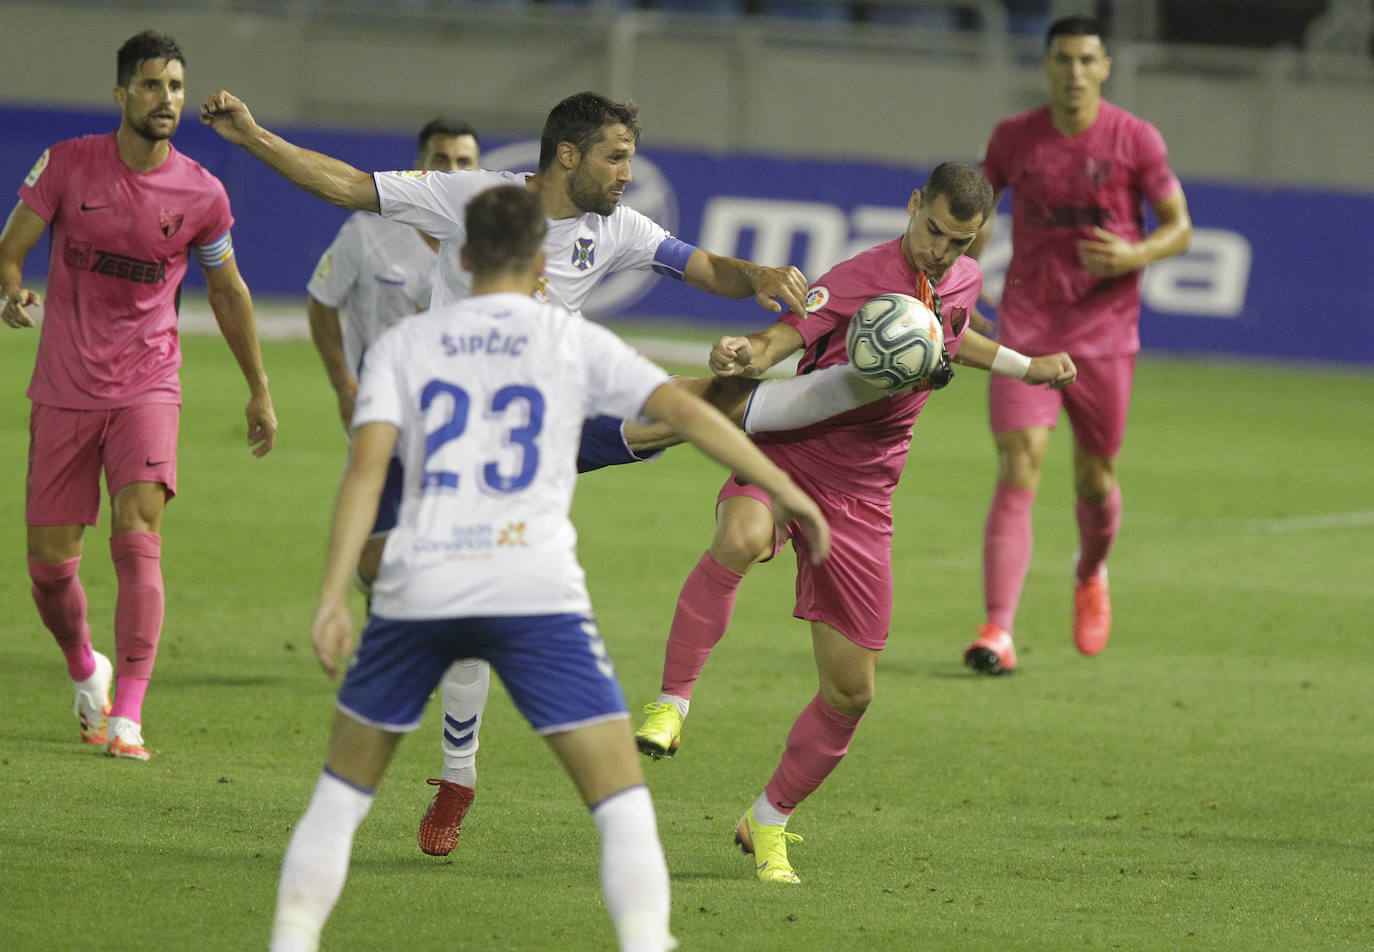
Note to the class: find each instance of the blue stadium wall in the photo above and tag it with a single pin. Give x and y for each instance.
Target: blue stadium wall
(1273, 272)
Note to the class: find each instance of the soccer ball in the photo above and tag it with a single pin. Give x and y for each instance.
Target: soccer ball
(894, 341)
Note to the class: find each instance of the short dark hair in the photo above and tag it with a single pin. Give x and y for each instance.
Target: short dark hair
(967, 189)
(505, 228)
(148, 45)
(1075, 26)
(444, 127)
(579, 119)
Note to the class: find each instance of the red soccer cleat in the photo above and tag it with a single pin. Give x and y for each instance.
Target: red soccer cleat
(1092, 614)
(993, 652)
(443, 821)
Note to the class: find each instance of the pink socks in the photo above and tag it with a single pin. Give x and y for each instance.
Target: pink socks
(1006, 552)
(703, 614)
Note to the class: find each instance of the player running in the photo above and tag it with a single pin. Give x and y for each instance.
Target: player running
(1079, 170)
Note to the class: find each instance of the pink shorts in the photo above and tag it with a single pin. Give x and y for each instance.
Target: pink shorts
(851, 591)
(68, 449)
(1097, 403)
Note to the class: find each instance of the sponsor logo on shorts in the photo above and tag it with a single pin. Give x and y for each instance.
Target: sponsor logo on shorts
(155, 462)
(817, 298)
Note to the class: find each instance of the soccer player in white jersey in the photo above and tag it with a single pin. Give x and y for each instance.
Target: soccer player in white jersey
(373, 274)
(486, 398)
(585, 154)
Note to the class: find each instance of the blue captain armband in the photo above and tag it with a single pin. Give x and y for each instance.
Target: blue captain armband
(671, 257)
(216, 254)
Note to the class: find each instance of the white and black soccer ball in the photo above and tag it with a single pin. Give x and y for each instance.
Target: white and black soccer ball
(894, 341)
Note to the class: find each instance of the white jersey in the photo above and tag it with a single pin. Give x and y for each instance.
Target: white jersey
(489, 396)
(377, 272)
(581, 251)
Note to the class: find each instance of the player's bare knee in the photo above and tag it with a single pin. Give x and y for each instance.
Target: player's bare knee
(849, 699)
(738, 545)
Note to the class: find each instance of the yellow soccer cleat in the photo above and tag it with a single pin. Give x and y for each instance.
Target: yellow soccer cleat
(661, 733)
(768, 845)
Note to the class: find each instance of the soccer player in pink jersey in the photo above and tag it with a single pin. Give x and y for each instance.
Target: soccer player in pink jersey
(849, 464)
(126, 211)
(1080, 171)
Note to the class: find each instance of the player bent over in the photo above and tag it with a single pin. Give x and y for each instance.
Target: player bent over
(850, 465)
(484, 401)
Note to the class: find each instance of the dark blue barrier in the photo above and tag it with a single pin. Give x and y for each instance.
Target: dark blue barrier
(1272, 272)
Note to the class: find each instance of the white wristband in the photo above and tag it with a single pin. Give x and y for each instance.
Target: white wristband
(1010, 364)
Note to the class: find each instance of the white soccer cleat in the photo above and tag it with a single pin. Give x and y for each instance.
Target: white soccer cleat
(93, 701)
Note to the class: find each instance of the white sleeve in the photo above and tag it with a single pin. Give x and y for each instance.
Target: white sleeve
(380, 397)
(619, 378)
(637, 239)
(434, 201)
(339, 266)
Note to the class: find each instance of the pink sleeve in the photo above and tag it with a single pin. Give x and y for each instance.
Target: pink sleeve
(1155, 180)
(218, 218)
(42, 188)
(992, 164)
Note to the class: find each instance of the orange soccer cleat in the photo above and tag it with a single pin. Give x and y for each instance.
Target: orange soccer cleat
(992, 652)
(1092, 614)
(443, 821)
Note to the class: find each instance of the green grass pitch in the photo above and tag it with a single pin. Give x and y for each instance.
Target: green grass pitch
(1206, 783)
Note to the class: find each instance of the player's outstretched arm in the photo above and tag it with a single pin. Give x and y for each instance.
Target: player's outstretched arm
(22, 231)
(1052, 370)
(707, 429)
(332, 180)
(772, 288)
(355, 511)
(754, 354)
(232, 305)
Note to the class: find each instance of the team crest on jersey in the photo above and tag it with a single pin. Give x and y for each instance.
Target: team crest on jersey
(169, 222)
(584, 253)
(512, 535)
(1099, 171)
(958, 316)
(817, 298)
(32, 178)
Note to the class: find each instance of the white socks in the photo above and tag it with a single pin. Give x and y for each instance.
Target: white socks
(464, 695)
(681, 703)
(316, 864)
(634, 875)
(765, 814)
(792, 402)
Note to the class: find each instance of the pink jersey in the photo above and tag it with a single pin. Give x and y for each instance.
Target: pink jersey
(119, 252)
(862, 452)
(1061, 188)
